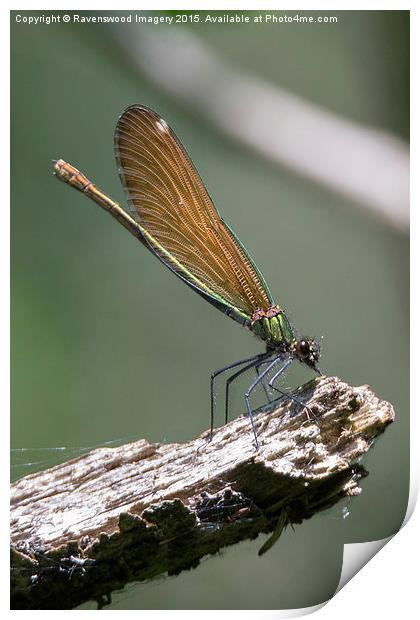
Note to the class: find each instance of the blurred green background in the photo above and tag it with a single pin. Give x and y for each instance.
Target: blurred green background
(81, 375)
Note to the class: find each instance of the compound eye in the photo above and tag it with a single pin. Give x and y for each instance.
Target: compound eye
(304, 348)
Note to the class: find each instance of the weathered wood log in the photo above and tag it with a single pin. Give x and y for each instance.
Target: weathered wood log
(86, 527)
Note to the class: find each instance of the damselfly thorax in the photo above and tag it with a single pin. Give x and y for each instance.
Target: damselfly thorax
(273, 327)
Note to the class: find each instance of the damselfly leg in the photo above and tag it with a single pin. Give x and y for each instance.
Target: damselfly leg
(250, 360)
(309, 413)
(257, 369)
(237, 374)
(251, 388)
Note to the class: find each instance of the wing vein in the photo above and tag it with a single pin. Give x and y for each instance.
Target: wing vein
(169, 200)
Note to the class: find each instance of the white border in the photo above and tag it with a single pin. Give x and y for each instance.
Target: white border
(386, 586)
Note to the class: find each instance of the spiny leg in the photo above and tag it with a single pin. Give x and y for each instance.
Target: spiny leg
(216, 373)
(251, 389)
(287, 394)
(235, 376)
(276, 375)
(309, 413)
(257, 369)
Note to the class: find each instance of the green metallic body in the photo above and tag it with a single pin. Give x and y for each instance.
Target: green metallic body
(275, 331)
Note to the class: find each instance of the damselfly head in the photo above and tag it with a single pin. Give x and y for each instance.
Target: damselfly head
(307, 351)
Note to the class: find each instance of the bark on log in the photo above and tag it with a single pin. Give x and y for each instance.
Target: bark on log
(86, 527)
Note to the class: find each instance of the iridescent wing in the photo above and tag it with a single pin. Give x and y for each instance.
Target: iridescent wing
(168, 199)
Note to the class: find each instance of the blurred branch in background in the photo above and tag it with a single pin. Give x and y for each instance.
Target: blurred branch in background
(367, 165)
